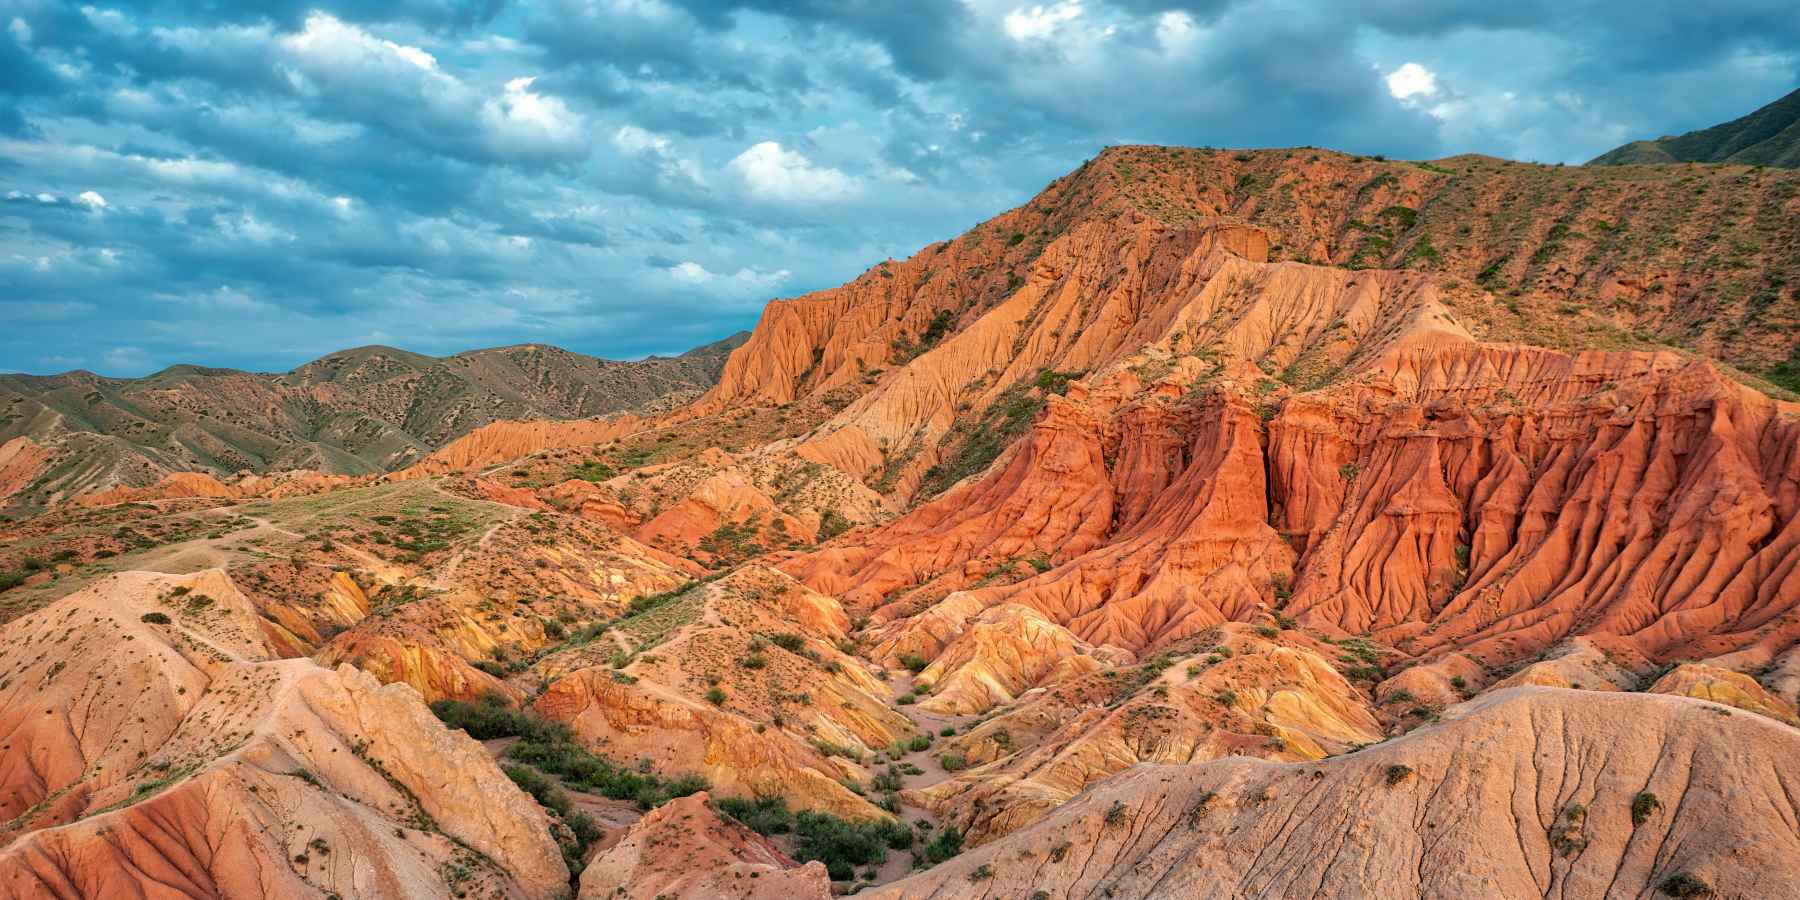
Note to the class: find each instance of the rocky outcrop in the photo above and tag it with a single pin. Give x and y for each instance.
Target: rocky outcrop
(505, 597)
(1703, 682)
(191, 485)
(1004, 652)
(1244, 695)
(151, 745)
(684, 849)
(739, 680)
(1522, 793)
(502, 441)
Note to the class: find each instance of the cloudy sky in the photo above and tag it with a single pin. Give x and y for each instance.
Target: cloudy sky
(257, 184)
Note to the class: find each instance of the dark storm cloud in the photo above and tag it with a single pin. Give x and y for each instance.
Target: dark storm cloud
(256, 184)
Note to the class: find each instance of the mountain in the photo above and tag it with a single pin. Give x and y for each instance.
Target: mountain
(359, 411)
(1248, 523)
(1768, 137)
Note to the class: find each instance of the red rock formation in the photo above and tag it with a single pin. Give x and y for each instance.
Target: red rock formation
(503, 441)
(683, 849)
(793, 725)
(21, 461)
(1245, 695)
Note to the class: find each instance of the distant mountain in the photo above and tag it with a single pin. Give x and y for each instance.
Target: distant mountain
(363, 410)
(1768, 137)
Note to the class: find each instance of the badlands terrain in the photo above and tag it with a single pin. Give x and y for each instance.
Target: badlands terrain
(1218, 523)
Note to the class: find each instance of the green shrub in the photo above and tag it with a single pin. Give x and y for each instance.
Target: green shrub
(831, 524)
(947, 844)
(552, 748)
(592, 470)
(788, 641)
(953, 762)
(763, 815)
(1397, 773)
(1681, 884)
(715, 696)
(154, 618)
(913, 663)
(1642, 806)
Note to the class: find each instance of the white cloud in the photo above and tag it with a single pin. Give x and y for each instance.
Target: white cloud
(670, 165)
(523, 119)
(1175, 30)
(92, 200)
(329, 43)
(1039, 23)
(744, 281)
(1412, 80)
(772, 172)
(21, 30)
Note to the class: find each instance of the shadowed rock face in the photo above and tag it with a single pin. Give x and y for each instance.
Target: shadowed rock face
(1528, 792)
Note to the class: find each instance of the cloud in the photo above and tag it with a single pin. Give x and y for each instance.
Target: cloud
(743, 282)
(634, 176)
(771, 172)
(521, 119)
(1037, 23)
(1411, 80)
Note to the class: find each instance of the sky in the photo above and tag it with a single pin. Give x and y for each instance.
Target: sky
(257, 184)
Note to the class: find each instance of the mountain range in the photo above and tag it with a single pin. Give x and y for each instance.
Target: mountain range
(360, 411)
(1216, 523)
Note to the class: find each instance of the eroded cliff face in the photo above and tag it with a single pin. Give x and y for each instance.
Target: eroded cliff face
(152, 745)
(1525, 792)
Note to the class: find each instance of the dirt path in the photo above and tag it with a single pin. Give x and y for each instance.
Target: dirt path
(206, 552)
(442, 577)
(924, 822)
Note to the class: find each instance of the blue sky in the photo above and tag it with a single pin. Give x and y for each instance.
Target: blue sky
(258, 184)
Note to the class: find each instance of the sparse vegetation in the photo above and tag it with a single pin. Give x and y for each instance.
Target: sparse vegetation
(1681, 884)
(551, 748)
(841, 844)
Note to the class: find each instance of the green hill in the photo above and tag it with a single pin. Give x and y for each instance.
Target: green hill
(1768, 137)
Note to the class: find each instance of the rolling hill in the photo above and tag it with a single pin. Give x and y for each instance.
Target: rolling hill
(1768, 137)
(360, 411)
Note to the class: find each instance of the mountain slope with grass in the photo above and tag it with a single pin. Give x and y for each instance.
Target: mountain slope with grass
(360, 411)
(1768, 137)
